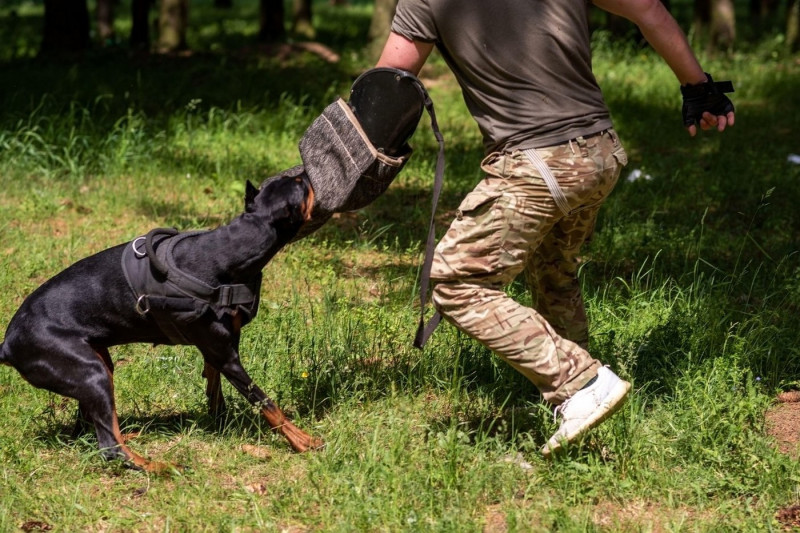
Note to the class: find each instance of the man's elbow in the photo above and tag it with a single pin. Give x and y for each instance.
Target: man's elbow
(403, 53)
(649, 14)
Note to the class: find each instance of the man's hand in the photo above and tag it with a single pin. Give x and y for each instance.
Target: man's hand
(706, 104)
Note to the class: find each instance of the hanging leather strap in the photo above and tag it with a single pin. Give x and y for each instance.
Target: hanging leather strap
(424, 330)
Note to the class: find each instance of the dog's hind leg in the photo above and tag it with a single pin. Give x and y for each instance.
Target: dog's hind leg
(97, 404)
(234, 372)
(83, 423)
(77, 370)
(216, 401)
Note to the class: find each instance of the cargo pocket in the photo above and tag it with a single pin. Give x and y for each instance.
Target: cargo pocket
(494, 164)
(618, 151)
(476, 202)
(621, 156)
(472, 246)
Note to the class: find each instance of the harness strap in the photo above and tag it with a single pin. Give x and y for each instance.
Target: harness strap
(424, 330)
(150, 250)
(138, 270)
(162, 310)
(171, 297)
(222, 295)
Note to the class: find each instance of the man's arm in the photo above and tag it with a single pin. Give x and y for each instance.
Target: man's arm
(668, 40)
(402, 53)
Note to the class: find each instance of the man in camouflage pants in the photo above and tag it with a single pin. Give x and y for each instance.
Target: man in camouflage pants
(524, 68)
(510, 224)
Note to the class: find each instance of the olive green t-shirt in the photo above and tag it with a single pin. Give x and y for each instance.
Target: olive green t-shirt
(524, 66)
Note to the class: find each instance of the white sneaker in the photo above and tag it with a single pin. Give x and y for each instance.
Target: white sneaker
(587, 408)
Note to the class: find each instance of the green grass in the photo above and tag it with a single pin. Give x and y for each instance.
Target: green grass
(691, 285)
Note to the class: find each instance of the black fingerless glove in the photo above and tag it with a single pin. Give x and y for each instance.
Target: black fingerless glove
(708, 96)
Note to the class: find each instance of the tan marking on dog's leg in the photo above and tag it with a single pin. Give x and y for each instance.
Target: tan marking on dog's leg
(298, 439)
(216, 402)
(137, 460)
(308, 205)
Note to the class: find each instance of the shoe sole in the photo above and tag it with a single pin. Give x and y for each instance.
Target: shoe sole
(614, 400)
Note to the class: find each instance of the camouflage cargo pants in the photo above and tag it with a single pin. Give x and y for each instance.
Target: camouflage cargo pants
(510, 224)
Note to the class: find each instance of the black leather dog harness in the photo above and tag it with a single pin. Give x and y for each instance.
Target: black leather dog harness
(173, 297)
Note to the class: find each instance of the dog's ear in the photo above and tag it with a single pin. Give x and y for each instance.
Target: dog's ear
(250, 192)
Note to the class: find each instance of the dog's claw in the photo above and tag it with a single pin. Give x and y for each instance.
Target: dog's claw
(311, 445)
(165, 469)
(299, 439)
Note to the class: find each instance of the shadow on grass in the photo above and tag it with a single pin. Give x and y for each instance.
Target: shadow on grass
(505, 425)
(239, 421)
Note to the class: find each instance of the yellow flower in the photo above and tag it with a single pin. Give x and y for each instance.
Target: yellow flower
(304, 375)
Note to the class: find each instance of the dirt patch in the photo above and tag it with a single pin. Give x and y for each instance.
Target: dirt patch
(783, 423)
(495, 520)
(285, 52)
(789, 517)
(639, 515)
(634, 515)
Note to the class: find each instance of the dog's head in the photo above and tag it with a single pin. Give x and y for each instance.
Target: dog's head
(285, 202)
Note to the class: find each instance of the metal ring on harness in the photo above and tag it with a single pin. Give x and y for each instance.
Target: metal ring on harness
(135, 249)
(142, 305)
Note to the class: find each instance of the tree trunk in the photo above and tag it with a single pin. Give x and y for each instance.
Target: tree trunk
(105, 21)
(173, 19)
(763, 15)
(301, 19)
(763, 9)
(702, 19)
(271, 28)
(723, 25)
(66, 27)
(140, 31)
(793, 25)
(380, 26)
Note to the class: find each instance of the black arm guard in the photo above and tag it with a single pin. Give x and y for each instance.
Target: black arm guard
(702, 97)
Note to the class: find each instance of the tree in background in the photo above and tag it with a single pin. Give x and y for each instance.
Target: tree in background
(105, 21)
(67, 23)
(715, 22)
(793, 25)
(301, 19)
(140, 30)
(271, 28)
(723, 24)
(173, 21)
(380, 25)
(763, 14)
(66, 27)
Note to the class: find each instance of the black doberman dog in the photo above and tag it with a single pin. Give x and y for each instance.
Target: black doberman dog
(198, 288)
